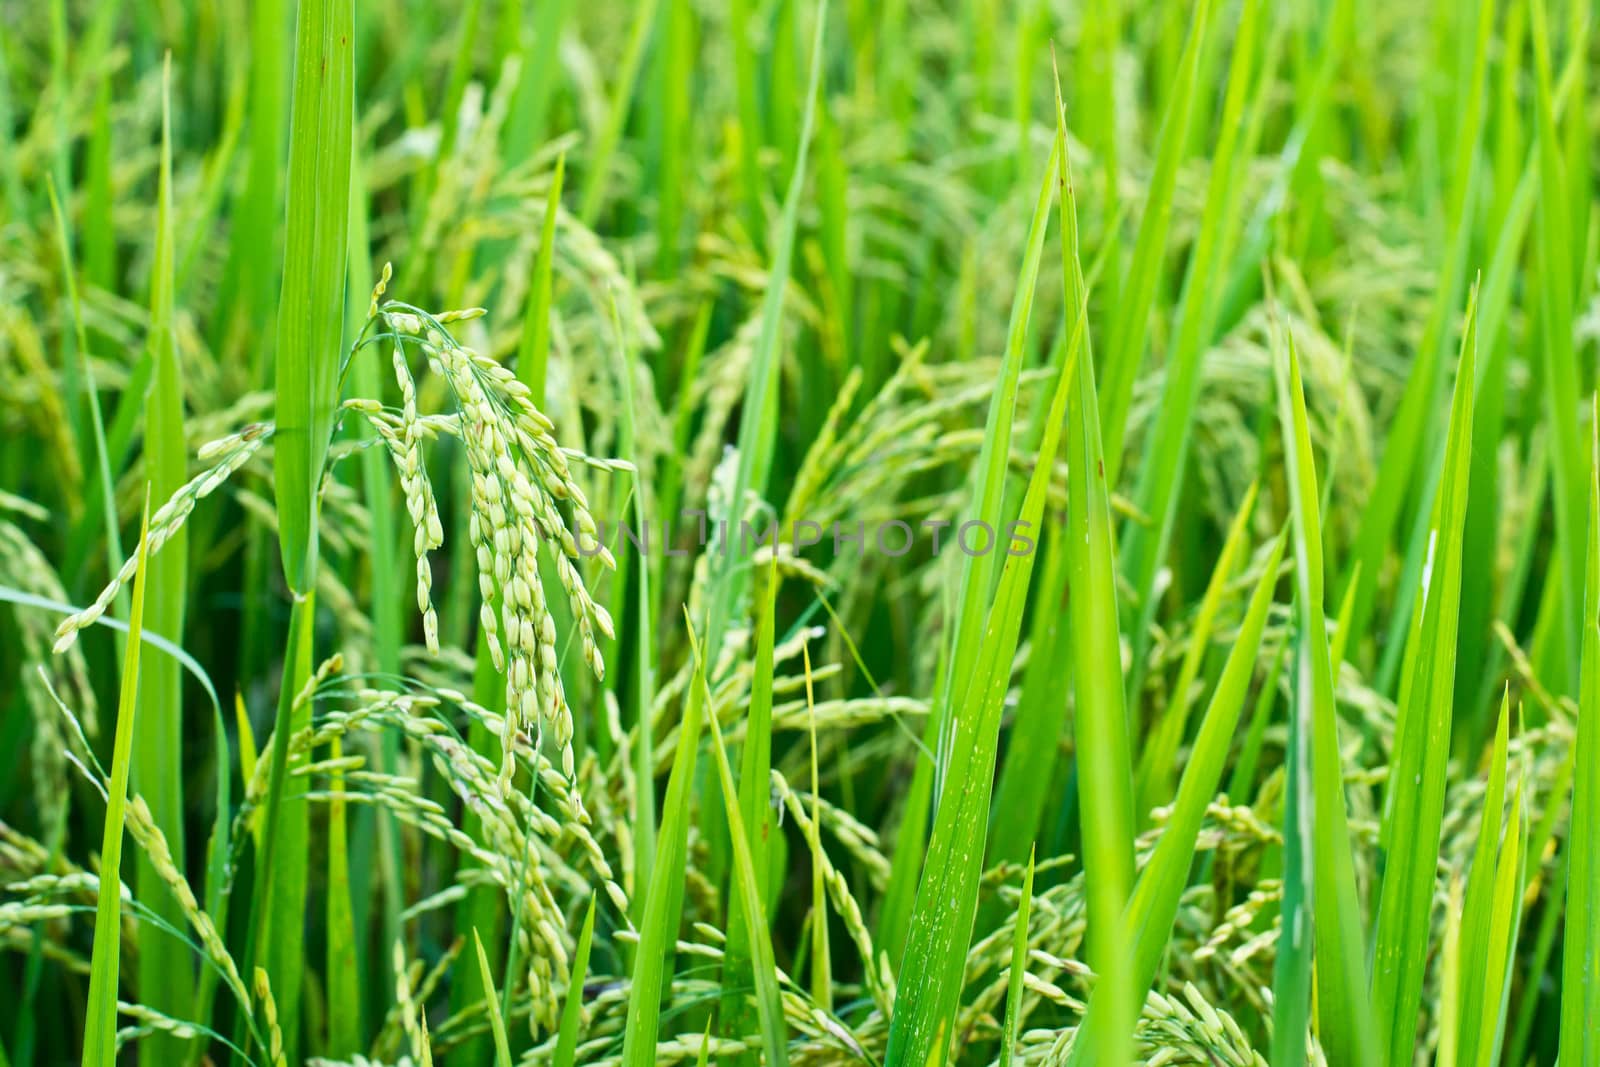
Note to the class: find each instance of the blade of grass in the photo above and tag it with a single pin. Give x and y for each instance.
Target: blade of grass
(526, 125)
(644, 799)
(1100, 722)
(311, 311)
(310, 328)
(764, 969)
(1480, 1028)
(1414, 804)
(257, 210)
(1040, 720)
(343, 978)
(1160, 481)
(758, 423)
(947, 895)
(1153, 908)
(1291, 978)
(565, 1054)
(1448, 1053)
(1580, 942)
(1019, 965)
(961, 644)
(1137, 293)
(749, 128)
(491, 1002)
(1479, 889)
(1242, 778)
(1559, 367)
(821, 959)
(1505, 921)
(1343, 1014)
(1414, 421)
(610, 133)
(755, 807)
(100, 1011)
(1436, 335)
(166, 979)
(533, 355)
(658, 927)
(1156, 763)
(675, 83)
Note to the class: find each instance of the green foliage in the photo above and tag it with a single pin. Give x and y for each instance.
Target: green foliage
(100, 1011)
(589, 364)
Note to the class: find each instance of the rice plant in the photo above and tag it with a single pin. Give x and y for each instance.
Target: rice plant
(799, 532)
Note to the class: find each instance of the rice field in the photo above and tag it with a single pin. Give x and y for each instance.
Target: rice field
(800, 532)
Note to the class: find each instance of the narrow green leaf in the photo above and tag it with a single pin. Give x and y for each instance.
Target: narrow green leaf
(1132, 323)
(541, 71)
(278, 902)
(1400, 468)
(1291, 978)
(166, 976)
(1100, 722)
(1491, 914)
(533, 356)
(940, 929)
(658, 928)
(491, 1002)
(1505, 921)
(610, 133)
(566, 1050)
(764, 968)
(1019, 966)
(1343, 1013)
(311, 308)
(1162, 468)
(755, 808)
(748, 101)
(100, 1011)
(1580, 943)
(759, 423)
(1157, 761)
(675, 65)
(1242, 778)
(1414, 801)
(309, 346)
(1559, 367)
(821, 961)
(1032, 750)
(1150, 914)
(343, 976)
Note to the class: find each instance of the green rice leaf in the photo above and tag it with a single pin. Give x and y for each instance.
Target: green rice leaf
(533, 356)
(663, 909)
(763, 966)
(100, 1010)
(755, 809)
(1132, 322)
(165, 968)
(1150, 914)
(491, 1002)
(1157, 760)
(1580, 945)
(566, 1050)
(1488, 928)
(311, 308)
(1414, 803)
(947, 894)
(1019, 965)
(759, 423)
(1100, 723)
(1343, 1013)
